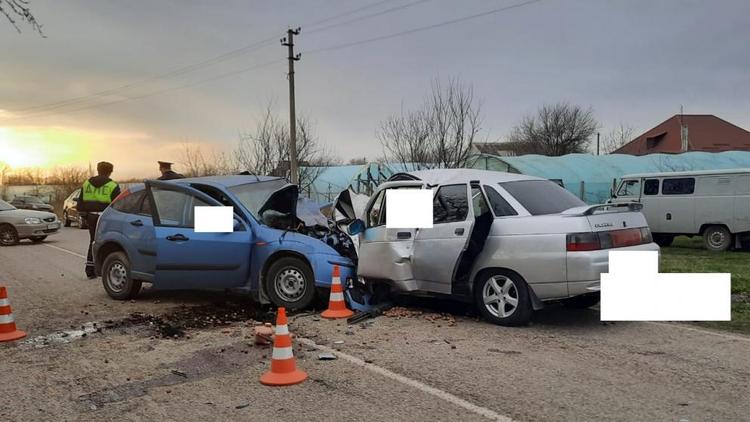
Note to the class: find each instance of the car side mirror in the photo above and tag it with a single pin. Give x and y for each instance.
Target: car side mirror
(356, 227)
(237, 225)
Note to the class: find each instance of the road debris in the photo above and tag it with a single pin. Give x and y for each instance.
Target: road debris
(399, 312)
(179, 373)
(263, 334)
(326, 356)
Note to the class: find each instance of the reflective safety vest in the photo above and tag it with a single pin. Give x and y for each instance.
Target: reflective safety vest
(102, 194)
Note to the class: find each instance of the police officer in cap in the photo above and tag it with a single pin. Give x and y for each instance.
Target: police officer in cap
(96, 194)
(166, 171)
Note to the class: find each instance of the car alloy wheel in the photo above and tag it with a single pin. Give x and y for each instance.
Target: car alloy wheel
(118, 277)
(500, 296)
(8, 236)
(290, 284)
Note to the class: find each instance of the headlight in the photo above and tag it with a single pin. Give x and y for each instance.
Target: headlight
(33, 220)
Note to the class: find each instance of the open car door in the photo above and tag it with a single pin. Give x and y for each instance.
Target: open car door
(386, 253)
(186, 259)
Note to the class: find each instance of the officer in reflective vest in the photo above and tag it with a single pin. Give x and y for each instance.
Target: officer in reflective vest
(96, 194)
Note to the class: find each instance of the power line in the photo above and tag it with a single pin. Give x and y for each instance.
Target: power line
(159, 92)
(195, 66)
(361, 18)
(423, 28)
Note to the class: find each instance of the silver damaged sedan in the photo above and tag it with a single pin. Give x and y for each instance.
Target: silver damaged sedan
(507, 242)
(18, 224)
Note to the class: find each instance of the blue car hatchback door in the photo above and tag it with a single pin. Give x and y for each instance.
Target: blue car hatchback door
(147, 235)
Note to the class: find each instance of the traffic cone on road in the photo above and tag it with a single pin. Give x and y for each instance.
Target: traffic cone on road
(8, 330)
(336, 304)
(283, 365)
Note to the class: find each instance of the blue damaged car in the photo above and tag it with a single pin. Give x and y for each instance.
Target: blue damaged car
(275, 253)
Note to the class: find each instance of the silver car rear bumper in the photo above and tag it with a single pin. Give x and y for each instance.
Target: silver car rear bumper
(585, 268)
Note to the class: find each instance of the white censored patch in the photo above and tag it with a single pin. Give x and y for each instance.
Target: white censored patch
(408, 208)
(214, 219)
(634, 290)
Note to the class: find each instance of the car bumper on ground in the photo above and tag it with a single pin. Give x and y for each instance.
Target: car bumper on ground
(32, 230)
(585, 268)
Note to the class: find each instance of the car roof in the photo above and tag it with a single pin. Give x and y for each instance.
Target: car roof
(451, 176)
(688, 173)
(227, 181)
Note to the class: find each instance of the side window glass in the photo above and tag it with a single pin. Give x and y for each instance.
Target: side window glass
(479, 204)
(651, 187)
(450, 204)
(630, 188)
(130, 203)
(175, 209)
(373, 216)
(682, 186)
(500, 206)
(145, 207)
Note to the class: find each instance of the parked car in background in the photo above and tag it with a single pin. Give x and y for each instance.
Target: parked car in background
(70, 211)
(713, 204)
(507, 242)
(28, 202)
(17, 224)
(147, 235)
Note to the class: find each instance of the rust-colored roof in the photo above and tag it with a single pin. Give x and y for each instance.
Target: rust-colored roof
(706, 132)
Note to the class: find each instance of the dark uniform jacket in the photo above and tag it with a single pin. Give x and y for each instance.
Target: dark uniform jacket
(97, 183)
(170, 175)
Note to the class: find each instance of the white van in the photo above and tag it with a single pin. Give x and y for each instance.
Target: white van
(714, 204)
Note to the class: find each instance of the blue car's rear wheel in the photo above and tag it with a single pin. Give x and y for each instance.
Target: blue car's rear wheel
(290, 283)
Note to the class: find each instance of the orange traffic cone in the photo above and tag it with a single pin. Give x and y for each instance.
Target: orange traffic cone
(283, 366)
(336, 304)
(8, 330)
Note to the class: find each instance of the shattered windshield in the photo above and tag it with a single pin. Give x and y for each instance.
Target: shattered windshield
(4, 206)
(254, 195)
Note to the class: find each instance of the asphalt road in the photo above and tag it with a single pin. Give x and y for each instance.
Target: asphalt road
(565, 366)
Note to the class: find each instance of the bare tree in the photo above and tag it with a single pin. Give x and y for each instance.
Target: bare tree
(617, 137)
(64, 181)
(197, 163)
(439, 134)
(357, 161)
(556, 129)
(265, 150)
(19, 9)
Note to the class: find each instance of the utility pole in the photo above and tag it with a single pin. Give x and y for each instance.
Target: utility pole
(289, 42)
(597, 143)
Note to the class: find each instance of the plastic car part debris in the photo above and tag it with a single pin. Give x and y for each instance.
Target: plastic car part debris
(326, 356)
(373, 312)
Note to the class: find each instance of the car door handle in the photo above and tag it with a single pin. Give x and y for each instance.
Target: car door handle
(403, 235)
(459, 231)
(137, 223)
(177, 238)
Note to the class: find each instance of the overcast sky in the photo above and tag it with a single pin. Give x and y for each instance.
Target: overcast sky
(632, 61)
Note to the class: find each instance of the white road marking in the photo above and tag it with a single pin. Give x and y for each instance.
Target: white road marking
(699, 330)
(444, 395)
(64, 250)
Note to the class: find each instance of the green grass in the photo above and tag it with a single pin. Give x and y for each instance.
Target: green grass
(688, 255)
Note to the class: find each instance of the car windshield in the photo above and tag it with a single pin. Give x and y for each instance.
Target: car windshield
(254, 195)
(541, 197)
(4, 206)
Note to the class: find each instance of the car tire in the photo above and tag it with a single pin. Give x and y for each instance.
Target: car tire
(502, 310)
(290, 283)
(8, 235)
(717, 238)
(117, 278)
(66, 220)
(663, 240)
(582, 301)
(37, 239)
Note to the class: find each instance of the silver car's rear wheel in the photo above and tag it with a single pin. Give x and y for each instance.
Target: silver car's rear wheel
(500, 296)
